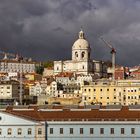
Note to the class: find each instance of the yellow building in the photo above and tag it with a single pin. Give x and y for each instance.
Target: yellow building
(33, 76)
(124, 92)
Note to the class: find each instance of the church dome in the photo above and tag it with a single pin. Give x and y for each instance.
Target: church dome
(81, 42)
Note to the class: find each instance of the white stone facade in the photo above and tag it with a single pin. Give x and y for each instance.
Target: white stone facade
(13, 127)
(16, 66)
(81, 62)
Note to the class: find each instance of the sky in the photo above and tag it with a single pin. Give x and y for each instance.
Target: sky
(46, 29)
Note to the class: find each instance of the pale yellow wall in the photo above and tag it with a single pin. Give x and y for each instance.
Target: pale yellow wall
(112, 94)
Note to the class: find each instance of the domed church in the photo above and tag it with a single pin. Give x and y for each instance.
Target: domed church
(81, 62)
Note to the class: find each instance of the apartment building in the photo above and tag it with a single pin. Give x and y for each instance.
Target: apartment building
(9, 90)
(8, 65)
(124, 92)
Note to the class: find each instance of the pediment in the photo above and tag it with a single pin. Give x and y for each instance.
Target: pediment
(9, 119)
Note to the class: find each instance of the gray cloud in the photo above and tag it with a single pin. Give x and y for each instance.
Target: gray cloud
(46, 29)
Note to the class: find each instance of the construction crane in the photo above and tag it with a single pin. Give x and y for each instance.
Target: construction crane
(113, 52)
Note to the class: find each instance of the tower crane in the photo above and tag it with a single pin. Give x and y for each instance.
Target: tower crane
(113, 52)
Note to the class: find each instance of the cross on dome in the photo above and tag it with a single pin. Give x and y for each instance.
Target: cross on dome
(81, 34)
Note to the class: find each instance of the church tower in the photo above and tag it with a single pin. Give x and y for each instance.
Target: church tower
(81, 62)
(81, 48)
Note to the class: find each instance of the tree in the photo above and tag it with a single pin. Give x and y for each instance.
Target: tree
(48, 64)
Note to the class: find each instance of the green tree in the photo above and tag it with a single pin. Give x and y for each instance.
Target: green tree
(48, 64)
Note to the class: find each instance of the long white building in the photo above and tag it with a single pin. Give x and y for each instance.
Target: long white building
(7, 65)
(90, 123)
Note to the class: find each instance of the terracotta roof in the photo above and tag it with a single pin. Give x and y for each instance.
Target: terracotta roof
(49, 68)
(64, 74)
(78, 114)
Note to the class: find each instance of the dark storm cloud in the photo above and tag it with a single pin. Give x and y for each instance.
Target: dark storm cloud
(46, 29)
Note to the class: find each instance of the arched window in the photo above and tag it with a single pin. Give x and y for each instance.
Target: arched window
(19, 131)
(76, 54)
(83, 54)
(29, 131)
(57, 68)
(83, 67)
(0, 131)
(9, 131)
(39, 131)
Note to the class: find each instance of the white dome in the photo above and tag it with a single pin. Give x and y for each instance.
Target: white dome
(81, 43)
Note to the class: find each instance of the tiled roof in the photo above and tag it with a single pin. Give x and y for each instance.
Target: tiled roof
(64, 74)
(123, 114)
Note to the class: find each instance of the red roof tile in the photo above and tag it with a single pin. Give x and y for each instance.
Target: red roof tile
(78, 114)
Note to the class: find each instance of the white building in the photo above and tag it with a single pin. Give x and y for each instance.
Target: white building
(9, 90)
(13, 127)
(35, 90)
(81, 62)
(13, 65)
(90, 123)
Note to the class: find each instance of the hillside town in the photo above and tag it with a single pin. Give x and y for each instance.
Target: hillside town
(80, 81)
(78, 99)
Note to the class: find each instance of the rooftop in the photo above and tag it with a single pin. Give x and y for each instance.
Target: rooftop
(60, 113)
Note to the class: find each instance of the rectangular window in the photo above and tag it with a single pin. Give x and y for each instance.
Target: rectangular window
(100, 89)
(81, 130)
(29, 131)
(101, 130)
(94, 89)
(111, 130)
(61, 130)
(122, 130)
(39, 131)
(51, 130)
(71, 130)
(91, 130)
(132, 130)
(8, 87)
